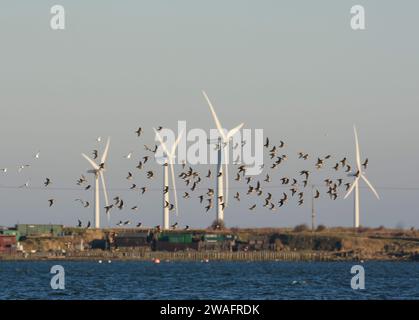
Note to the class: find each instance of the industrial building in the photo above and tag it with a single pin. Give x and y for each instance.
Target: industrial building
(50, 237)
(10, 232)
(130, 239)
(171, 241)
(39, 230)
(7, 244)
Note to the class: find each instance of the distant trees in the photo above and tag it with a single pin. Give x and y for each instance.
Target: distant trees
(301, 228)
(321, 228)
(217, 225)
(362, 229)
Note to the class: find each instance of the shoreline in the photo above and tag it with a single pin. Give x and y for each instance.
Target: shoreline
(272, 244)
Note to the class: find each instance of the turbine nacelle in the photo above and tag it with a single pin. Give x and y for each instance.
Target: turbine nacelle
(165, 159)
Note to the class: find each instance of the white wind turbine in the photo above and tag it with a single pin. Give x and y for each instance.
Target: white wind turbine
(223, 143)
(98, 170)
(359, 174)
(168, 158)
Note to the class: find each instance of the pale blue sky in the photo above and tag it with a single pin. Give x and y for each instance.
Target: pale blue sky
(292, 68)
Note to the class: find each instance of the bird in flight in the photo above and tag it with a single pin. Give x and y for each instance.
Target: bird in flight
(302, 155)
(139, 131)
(26, 185)
(108, 208)
(20, 168)
(365, 164)
(128, 156)
(47, 182)
(81, 180)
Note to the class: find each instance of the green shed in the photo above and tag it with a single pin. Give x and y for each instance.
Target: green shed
(26, 230)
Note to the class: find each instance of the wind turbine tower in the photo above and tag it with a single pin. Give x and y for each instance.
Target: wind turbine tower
(223, 146)
(359, 174)
(219, 186)
(98, 171)
(168, 159)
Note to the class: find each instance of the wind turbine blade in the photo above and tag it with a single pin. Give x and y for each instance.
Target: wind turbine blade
(94, 165)
(370, 185)
(214, 115)
(105, 153)
(358, 156)
(105, 192)
(161, 141)
(352, 187)
(174, 184)
(176, 143)
(233, 131)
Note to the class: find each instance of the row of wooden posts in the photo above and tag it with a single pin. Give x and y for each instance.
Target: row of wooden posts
(204, 255)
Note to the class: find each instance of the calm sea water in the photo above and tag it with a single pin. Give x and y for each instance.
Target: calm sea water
(213, 280)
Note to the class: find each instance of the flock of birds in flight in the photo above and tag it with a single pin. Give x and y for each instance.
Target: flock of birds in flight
(295, 186)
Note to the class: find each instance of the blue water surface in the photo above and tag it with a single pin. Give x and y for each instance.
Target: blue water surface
(213, 280)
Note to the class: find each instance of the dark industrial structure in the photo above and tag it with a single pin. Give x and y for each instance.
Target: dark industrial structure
(7, 244)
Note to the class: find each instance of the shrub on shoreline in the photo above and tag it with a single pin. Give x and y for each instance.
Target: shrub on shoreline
(301, 228)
